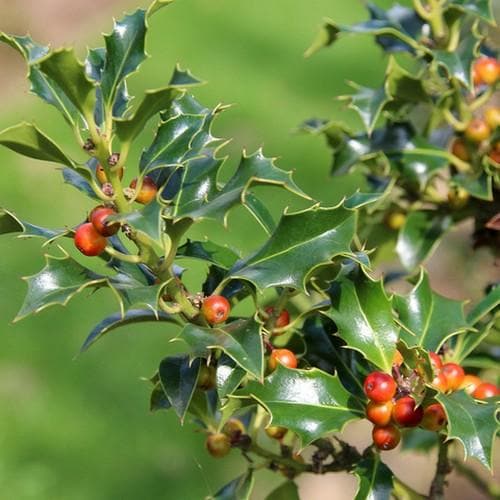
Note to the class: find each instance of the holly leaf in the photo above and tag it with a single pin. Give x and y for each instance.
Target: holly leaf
(200, 198)
(480, 186)
(57, 283)
(479, 8)
(9, 223)
(471, 422)
(124, 53)
(311, 403)
(238, 489)
(136, 296)
(420, 236)
(158, 400)
(79, 181)
(260, 212)
(63, 67)
(375, 479)
(285, 491)
(228, 376)
(363, 315)
(429, 319)
(302, 242)
(26, 139)
(241, 340)
(118, 319)
(221, 256)
(178, 377)
(41, 85)
(489, 303)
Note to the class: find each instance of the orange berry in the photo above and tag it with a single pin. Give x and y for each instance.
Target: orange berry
(434, 417)
(89, 241)
(454, 375)
(477, 130)
(284, 357)
(470, 383)
(486, 390)
(148, 190)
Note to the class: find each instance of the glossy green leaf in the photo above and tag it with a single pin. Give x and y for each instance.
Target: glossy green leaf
(57, 283)
(375, 479)
(201, 198)
(178, 377)
(429, 319)
(228, 376)
(363, 315)
(63, 67)
(260, 211)
(41, 85)
(241, 340)
(286, 491)
(468, 342)
(26, 139)
(10, 223)
(480, 186)
(484, 306)
(222, 256)
(158, 400)
(184, 78)
(135, 296)
(238, 489)
(119, 319)
(301, 242)
(124, 53)
(417, 166)
(420, 235)
(311, 403)
(473, 423)
(479, 8)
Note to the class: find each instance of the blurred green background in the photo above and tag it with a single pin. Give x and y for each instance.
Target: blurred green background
(79, 428)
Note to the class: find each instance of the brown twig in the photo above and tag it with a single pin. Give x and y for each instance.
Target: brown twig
(443, 468)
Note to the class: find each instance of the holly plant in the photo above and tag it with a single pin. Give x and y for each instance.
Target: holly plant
(323, 343)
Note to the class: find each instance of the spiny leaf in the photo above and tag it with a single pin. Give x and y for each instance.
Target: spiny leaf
(118, 319)
(158, 400)
(228, 376)
(472, 423)
(238, 489)
(429, 319)
(479, 8)
(311, 403)
(26, 139)
(484, 306)
(57, 283)
(10, 223)
(301, 242)
(135, 296)
(420, 236)
(363, 315)
(208, 251)
(178, 377)
(63, 67)
(241, 340)
(375, 479)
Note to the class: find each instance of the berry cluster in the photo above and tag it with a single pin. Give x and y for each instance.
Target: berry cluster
(392, 406)
(91, 237)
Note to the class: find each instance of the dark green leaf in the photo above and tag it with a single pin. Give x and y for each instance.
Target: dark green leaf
(260, 211)
(485, 306)
(158, 400)
(429, 319)
(178, 376)
(472, 423)
(135, 296)
(285, 491)
(363, 315)
(301, 242)
(57, 283)
(228, 376)
(419, 440)
(375, 479)
(479, 186)
(419, 165)
(116, 320)
(469, 341)
(479, 8)
(26, 139)
(183, 78)
(420, 236)
(241, 340)
(311, 403)
(63, 67)
(238, 489)
(124, 53)
(9, 223)
(208, 251)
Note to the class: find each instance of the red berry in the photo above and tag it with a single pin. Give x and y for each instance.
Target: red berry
(470, 383)
(276, 432)
(434, 417)
(386, 438)
(436, 362)
(284, 357)
(380, 387)
(216, 309)
(101, 174)
(89, 241)
(494, 155)
(405, 414)
(98, 218)
(440, 383)
(282, 320)
(459, 149)
(218, 444)
(379, 413)
(486, 390)
(486, 70)
(148, 190)
(454, 375)
(477, 130)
